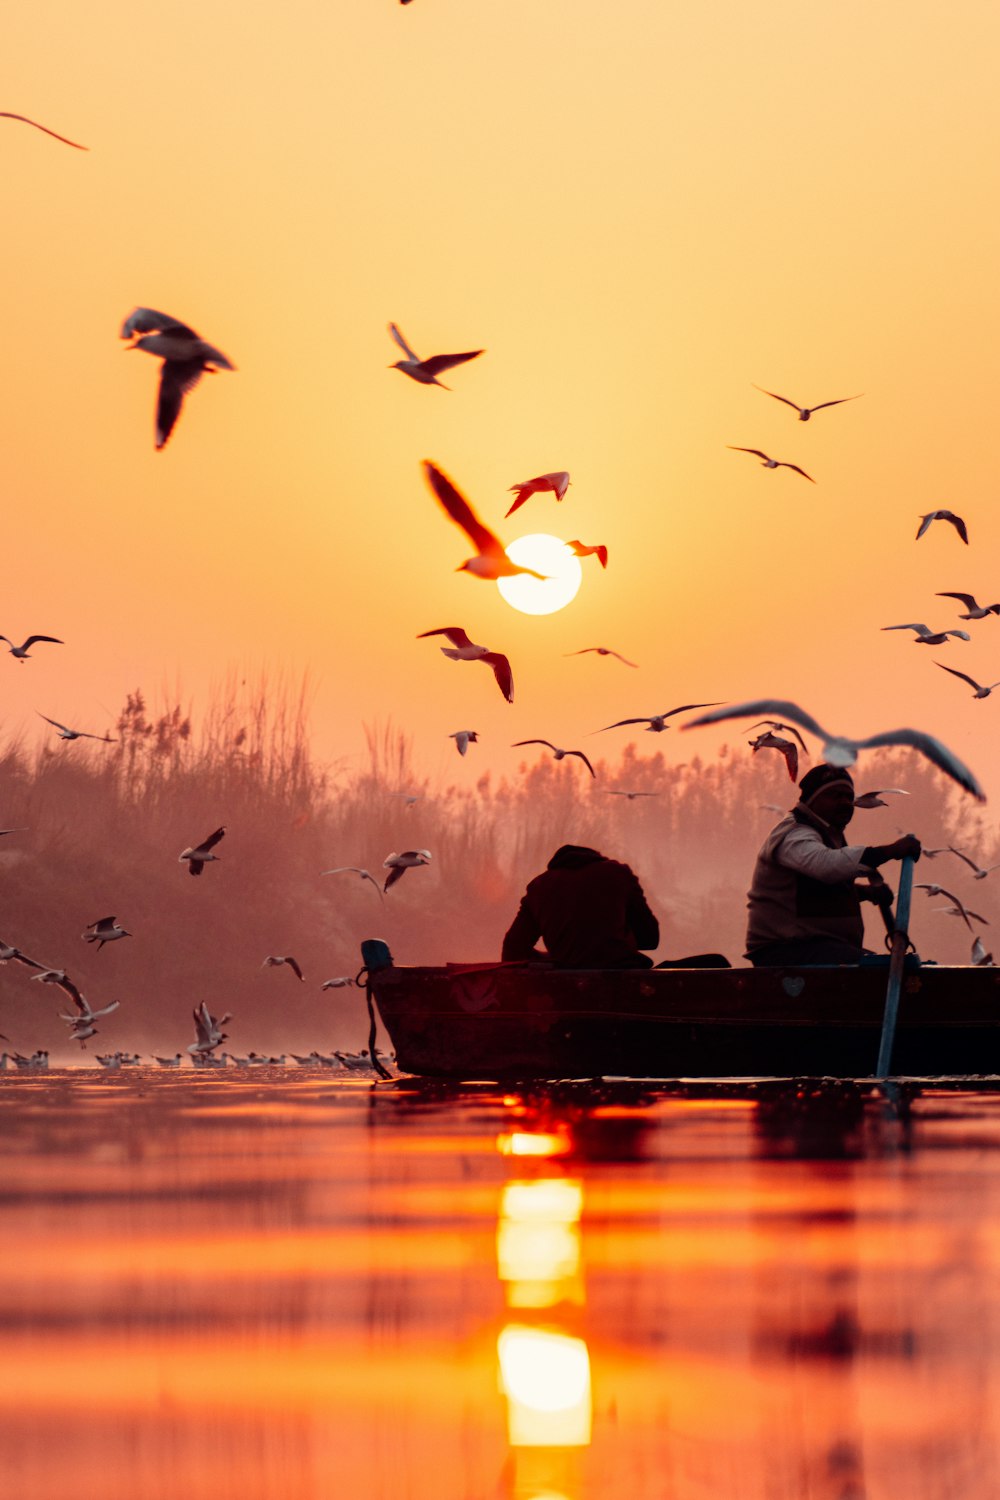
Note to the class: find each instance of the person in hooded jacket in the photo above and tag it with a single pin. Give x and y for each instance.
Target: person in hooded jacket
(589, 911)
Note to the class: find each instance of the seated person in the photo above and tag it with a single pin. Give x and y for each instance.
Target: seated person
(589, 911)
(804, 907)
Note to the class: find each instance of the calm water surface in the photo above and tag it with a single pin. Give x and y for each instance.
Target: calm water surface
(279, 1285)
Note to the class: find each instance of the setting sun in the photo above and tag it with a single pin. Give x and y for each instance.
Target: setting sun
(547, 555)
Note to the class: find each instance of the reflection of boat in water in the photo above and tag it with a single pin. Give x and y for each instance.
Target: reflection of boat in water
(495, 1022)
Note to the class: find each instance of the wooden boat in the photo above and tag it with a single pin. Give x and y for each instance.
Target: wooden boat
(497, 1022)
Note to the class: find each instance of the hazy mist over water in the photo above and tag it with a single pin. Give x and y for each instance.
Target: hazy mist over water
(278, 1286)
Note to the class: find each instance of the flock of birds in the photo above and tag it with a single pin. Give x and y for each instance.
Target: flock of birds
(185, 357)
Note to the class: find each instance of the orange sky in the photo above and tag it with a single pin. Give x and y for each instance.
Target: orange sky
(638, 212)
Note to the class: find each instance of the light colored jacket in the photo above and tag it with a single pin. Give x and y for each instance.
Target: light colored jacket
(803, 884)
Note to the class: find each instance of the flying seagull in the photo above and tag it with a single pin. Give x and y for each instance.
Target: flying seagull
(463, 739)
(274, 961)
(975, 611)
(556, 483)
(75, 734)
(354, 870)
(490, 561)
(602, 651)
(839, 750)
(426, 371)
(186, 357)
(771, 463)
(939, 890)
(198, 857)
(9, 953)
(557, 753)
(981, 690)
(337, 984)
(656, 723)
(788, 748)
(6, 115)
(616, 792)
(943, 515)
(21, 651)
(398, 864)
(978, 873)
(805, 412)
(874, 799)
(980, 957)
(208, 1029)
(104, 931)
(580, 549)
(780, 729)
(928, 637)
(464, 649)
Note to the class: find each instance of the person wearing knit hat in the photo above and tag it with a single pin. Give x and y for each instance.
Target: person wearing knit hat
(804, 906)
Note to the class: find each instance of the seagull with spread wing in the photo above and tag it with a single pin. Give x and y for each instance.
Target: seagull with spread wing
(928, 637)
(978, 873)
(603, 651)
(75, 734)
(805, 412)
(21, 651)
(580, 549)
(198, 857)
(788, 748)
(839, 750)
(939, 890)
(426, 371)
(868, 800)
(276, 961)
(771, 463)
(980, 689)
(464, 649)
(556, 752)
(398, 864)
(490, 561)
(974, 611)
(779, 728)
(556, 483)
(107, 930)
(463, 739)
(655, 723)
(354, 870)
(186, 357)
(943, 515)
(5, 114)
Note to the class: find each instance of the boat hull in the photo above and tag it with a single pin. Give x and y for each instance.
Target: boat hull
(497, 1023)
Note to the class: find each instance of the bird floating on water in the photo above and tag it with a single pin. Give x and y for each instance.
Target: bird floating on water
(771, 463)
(398, 864)
(5, 114)
(426, 371)
(788, 748)
(186, 357)
(839, 750)
(974, 611)
(21, 652)
(107, 930)
(805, 412)
(869, 800)
(556, 483)
(980, 689)
(464, 649)
(656, 723)
(198, 857)
(928, 637)
(66, 733)
(580, 549)
(490, 561)
(602, 651)
(557, 753)
(464, 738)
(943, 515)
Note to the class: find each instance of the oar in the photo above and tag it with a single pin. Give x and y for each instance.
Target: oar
(900, 942)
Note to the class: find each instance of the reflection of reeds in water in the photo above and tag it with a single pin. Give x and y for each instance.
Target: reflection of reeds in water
(107, 823)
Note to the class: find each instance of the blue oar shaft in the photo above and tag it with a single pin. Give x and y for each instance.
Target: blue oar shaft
(900, 942)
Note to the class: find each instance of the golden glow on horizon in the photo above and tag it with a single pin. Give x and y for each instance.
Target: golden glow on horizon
(532, 1143)
(546, 1378)
(538, 1242)
(548, 555)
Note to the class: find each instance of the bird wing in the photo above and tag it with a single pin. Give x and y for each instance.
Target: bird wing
(148, 320)
(502, 673)
(623, 659)
(793, 404)
(937, 753)
(925, 522)
(396, 873)
(403, 344)
(293, 965)
(177, 377)
(460, 511)
(620, 723)
(773, 724)
(963, 857)
(210, 842)
(780, 707)
(6, 115)
(548, 743)
(956, 673)
(782, 465)
(438, 363)
(33, 638)
(455, 634)
(523, 492)
(957, 522)
(966, 599)
(684, 709)
(54, 722)
(920, 629)
(755, 451)
(839, 402)
(585, 761)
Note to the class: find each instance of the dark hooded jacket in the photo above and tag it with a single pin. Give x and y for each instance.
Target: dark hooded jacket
(588, 910)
